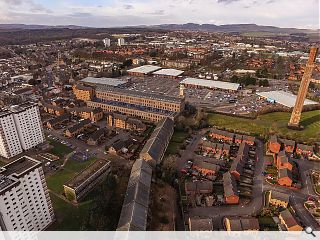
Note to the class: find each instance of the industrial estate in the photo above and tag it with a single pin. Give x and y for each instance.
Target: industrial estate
(157, 129)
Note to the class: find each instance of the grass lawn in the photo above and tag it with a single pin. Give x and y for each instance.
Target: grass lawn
(56, 181)
(99, 210)
(176, 142)
(2, 163)
(75, 166)
(71, 168)
(267, 223)
(69, 217)
(59, 149)
(271, 123)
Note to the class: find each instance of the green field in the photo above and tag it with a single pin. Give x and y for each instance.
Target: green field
(271, 123)
(59, 149)
(74, 166)
(60, 177)
(98, 211)
(69, 217)
(176, 142)
(56, 181)
(2, 163)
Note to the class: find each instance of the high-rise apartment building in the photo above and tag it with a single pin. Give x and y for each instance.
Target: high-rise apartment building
(25, 203)
(121, 42)
(9, 138)
(20, 129)
(107, 42)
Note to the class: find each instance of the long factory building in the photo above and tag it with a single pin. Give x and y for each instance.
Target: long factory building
(147, 106)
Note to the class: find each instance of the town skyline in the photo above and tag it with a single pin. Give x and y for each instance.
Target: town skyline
(120, 13)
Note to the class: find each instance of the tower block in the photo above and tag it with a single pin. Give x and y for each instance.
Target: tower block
(304, 85)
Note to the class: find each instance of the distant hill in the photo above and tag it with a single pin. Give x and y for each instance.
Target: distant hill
(229, 28)
(31, 27)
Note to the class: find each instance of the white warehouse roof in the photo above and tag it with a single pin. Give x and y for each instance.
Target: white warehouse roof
(169, 72)
(243, 71)
(284, 98)
(211, 84)
(145, 69)
(103, 81)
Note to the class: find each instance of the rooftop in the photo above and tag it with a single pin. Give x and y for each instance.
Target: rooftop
(20, 166)
(200, 224)
(288, 218)
(169, 72)
(145, 69)
(79, 125)
(139, 94)
(22, 107)
(136, 203)
(211, 84)
(86, 173)
(279, 196)
(5, 182)
(286, 99)
(103, 81)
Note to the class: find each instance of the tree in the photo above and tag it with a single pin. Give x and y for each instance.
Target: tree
(264, 83)
(127, 63)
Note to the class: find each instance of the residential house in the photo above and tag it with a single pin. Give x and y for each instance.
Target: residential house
(96, 137)
(285, 177)
(205, 168)
(288, 145)
(230, 188)
(198, 187)
(238, 138)
(304, 150)
(53, 123)
(94, 115)
(278, 199)
(200, 224)
(250, 140)
(274, 145)
(241, 223)
(119, 146)
(221, 135)
(283, 161)
(289, 221)
(51, 109)
(77, 128)
(124, 122)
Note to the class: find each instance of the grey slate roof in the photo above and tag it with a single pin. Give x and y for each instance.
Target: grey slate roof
(134, 211)
(157, 143)
(229, 185)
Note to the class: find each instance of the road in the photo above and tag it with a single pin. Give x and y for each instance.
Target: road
(82, 146)
(217, 213)
(297, 197)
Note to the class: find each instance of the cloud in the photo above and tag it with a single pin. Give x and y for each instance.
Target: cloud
(128, 6)
(30, 4)
(12, 2)
(81, 15)
(157, 12)
(227, 1)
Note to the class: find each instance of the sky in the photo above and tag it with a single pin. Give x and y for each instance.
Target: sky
(116, 13)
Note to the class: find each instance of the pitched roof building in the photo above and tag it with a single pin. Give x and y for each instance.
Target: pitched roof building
(230, 189)
(157, 144)
(136, 202)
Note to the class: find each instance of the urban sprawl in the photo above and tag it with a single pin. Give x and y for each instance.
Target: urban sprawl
(160, 130)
